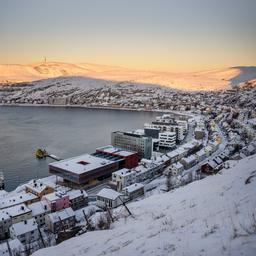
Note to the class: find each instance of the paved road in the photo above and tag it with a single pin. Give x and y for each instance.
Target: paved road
(216, 153)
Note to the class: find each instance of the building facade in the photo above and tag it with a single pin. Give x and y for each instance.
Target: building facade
(134, 142)
(60, 221)
(167, 139)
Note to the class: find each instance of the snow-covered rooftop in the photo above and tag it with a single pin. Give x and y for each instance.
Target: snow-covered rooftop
(63, 215)
(36, 186)
(17, 210)
(134, 187)
(16, 199)
(109, 193)
(115, 150)
(124, 172)
(38, 208)
(206, 217)
(24, 227)
(76, 193)
(54, 196)
(81, 164)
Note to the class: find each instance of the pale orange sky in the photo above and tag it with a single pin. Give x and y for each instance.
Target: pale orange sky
(178, 35)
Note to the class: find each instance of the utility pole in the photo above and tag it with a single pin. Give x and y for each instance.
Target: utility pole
(87, 221)
(127, 209)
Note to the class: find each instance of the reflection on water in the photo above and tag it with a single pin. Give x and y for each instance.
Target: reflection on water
(64, 132)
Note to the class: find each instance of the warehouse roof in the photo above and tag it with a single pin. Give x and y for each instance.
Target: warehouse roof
(81, 164)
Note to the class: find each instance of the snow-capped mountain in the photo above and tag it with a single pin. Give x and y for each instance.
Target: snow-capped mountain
(205, 80)
(213, 216)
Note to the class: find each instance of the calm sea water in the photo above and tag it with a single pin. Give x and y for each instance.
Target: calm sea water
(65, 132)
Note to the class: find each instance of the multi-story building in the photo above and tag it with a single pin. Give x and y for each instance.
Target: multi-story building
(167, 127)
(77, 199)
(39, 210)
(167, 139)
(127, 159)
(18, 213)
(61, 220)
(26, 198)
(56, 201)
(184, 124)
(83, 169)
(38, 188)
(134, 142)
(134, 190)
(123, 178)
(110, 198)
(26, 231)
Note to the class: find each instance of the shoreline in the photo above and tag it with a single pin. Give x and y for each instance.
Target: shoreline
(97, 108)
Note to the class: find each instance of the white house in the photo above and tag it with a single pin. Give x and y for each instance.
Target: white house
(26, 231)
(18, 213)
(177, 168)
(61, 220)
(200, 155)
(188, 162)
(39, 210)
(167, 139)
(123, 178)
(109, 197)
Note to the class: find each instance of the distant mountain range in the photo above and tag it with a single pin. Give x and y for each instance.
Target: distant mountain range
(205, 80)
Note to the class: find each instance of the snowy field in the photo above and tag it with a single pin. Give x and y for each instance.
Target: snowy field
(213, 216)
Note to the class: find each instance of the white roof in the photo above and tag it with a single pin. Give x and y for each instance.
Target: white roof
(39, 208)
(178, 165)
(54, 196)
(4, 249)
(4, 215)
(76, 193)
(36, 186)
(173, 153)
(134, 187)
(24, 227)
(16, 245)
(109, 193)
(17, 210)
(114, 150)
(81, 164)
(17, 199)
(189, 159)
(200, 152)
(63, 215)
(124, 172)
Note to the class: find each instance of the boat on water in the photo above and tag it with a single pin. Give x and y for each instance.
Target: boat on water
(41, 153)
(1, 180)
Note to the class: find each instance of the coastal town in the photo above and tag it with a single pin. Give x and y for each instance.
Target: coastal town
(196, 137)
(76, 91)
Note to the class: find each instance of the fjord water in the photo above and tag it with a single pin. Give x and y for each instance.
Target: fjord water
(65, 132)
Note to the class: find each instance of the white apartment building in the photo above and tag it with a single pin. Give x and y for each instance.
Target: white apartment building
(123, 178)
(167, 139)
(26, 231)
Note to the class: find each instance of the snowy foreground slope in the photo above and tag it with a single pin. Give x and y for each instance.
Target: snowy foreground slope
(213, 216)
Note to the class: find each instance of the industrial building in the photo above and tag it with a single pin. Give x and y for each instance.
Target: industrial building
(128, 159)
(134, 142)
(84, 168)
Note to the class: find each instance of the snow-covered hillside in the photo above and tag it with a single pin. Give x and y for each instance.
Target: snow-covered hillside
(213, 216)
(206, 80)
